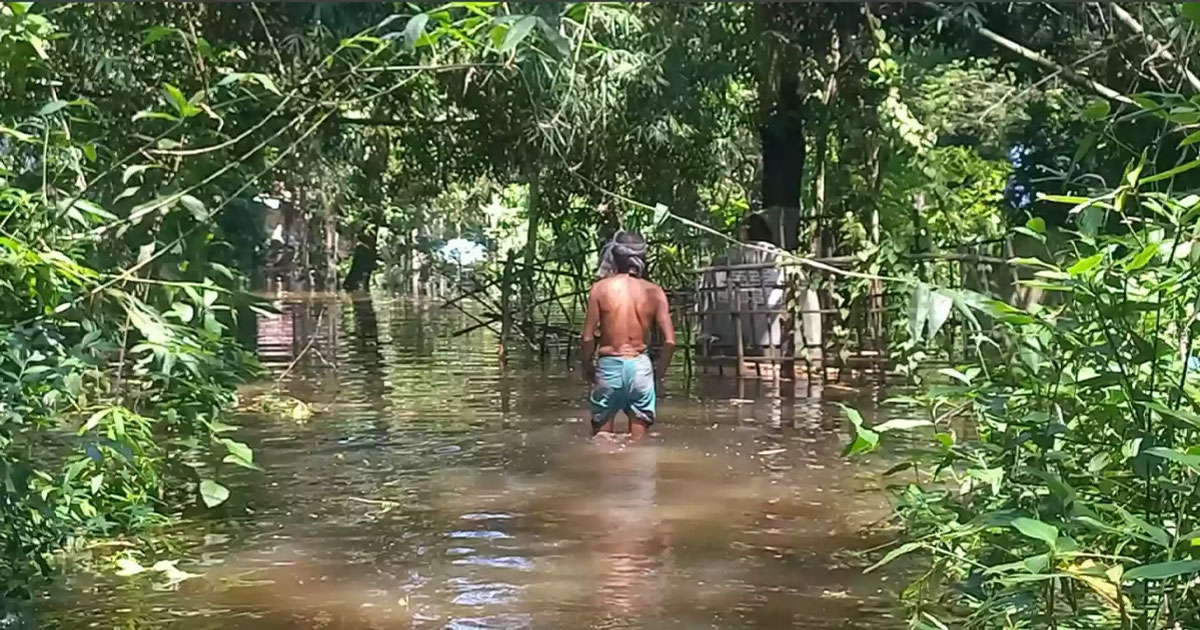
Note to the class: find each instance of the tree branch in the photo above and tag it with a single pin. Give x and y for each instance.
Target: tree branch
(1160, 49)
(1034, 56)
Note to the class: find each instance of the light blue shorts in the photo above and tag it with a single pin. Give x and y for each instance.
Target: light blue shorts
(623, 384)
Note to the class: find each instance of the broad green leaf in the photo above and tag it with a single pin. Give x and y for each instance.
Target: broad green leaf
(1178, 414)
(1191, 10)
(95, 419)
(1036, 224)
(155, 33)
(921, 303)
(517, 33)
(1084, 265)
(660, 214)
(213, 493)
(1037, 530)
(1142, 258)
(1184, 115)
(51, 107)
(1156, 534)
(1097, 110)
(940, 305)
(415, 28)
(1191, 461)
(1192, 138)
(185, 312)
(864, 439)
(239, 454)
(195, 206)
(1163, 570)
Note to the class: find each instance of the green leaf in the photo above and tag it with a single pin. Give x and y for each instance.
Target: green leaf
(1097, 110)
(130, 171)
(1163, 570)
(940, 305)
(94, 420)
(660, 214)
(1153, 533)
(562, 47)
(183, 311)
(195, 206)
(900, 424)
(517, 33)
(239, 454)
(415, 28)
(127, 567)
(1192, 138)
(154, 115)
(1191, 461)
(956, 375)
(213, 493)
(1182, 168)
(1178, 414)
(1037, 530)
(51, 107)
(921, 303)
(893, 554)
(1142, 258)
(1084, 265)
(864, 439)
(89, 151)
(155, 33)
(1191, 11)
(1184, 116)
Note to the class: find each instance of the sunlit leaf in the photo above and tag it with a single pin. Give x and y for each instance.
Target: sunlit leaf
(1037, 530)
(1097, 110)
(213, 493)
(415, 28)
(1084, 265)
(1163, 570)
(517, 33)
(900, 424)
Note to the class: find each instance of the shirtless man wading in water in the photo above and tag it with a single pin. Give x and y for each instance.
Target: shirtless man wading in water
(623, 307)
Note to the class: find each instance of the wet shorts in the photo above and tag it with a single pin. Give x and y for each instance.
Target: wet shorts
(623, 384)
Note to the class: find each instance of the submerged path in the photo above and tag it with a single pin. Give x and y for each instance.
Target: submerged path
(434, 490)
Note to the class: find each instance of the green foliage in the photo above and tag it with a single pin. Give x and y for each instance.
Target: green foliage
(1072, 500)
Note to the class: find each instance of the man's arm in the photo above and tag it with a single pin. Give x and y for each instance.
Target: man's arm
(590, 324)
(662, 316)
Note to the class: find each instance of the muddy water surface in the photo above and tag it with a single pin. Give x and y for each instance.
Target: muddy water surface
(434, 490)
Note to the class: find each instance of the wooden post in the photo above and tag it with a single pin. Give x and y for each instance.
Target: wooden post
(735, 303)
(505, 307)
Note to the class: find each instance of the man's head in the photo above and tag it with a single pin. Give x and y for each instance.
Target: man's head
(625, 254)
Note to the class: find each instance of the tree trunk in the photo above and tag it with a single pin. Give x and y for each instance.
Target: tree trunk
(534, 211)
(363, 263)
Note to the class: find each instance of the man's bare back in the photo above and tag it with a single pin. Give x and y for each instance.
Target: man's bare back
(622, 309)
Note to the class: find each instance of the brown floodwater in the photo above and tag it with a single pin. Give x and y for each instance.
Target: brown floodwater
(433, 489)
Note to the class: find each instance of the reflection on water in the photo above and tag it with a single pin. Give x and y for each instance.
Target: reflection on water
(435, 490)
